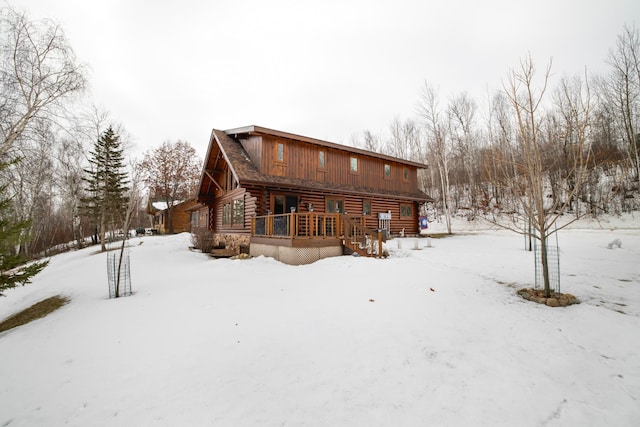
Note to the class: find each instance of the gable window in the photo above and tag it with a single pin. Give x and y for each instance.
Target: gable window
(387, 170)
(353, 162)
(321, 159)
(280, 152)
(366, 207)
(405, 174)
(406, 210)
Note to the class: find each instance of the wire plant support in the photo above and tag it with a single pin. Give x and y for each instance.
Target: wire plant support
(119, 273)
(553, 263)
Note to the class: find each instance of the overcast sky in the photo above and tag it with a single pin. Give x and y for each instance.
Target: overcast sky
(327, 69)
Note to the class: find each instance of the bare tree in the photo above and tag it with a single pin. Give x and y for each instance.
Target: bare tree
(405, 142)
(133, 204)
(171, 172)
(32, 182)
(437, 146)
(624, 90)
(370, 142)
(71, 157)
(530, 181)
(461, 122)
(38, 75)
(501, 147)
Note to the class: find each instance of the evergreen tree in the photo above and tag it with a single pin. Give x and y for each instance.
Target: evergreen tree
(14, 269)
(106, 180)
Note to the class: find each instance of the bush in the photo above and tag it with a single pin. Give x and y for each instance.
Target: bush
(203, 240)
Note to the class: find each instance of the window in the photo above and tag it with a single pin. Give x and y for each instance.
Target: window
(354, 164)
(226, 214)
(194, 219)
(405, 174)
(366, 207)
(387, 171)
(238, 212)
(280, 152)
(321, 159)
(406, 210)
(233, 213)
(335, 206)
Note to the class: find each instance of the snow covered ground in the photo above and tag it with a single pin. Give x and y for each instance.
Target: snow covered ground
(428, 337)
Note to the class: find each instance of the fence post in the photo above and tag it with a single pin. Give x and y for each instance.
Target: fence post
(292, 225)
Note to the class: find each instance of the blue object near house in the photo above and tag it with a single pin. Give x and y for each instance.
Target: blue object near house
(424, 223)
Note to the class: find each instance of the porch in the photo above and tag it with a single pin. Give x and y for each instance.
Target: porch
(302, 238)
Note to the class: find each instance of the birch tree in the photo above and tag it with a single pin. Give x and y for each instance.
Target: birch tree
(437, 145)
(38, 75)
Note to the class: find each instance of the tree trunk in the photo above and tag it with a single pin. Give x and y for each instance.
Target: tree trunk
(170, 218)
(544, 263)
(103, 231)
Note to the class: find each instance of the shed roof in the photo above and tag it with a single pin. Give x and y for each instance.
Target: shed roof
(258, 130)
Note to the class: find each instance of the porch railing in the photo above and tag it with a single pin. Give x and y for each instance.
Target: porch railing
(298, 226)
(351, 229)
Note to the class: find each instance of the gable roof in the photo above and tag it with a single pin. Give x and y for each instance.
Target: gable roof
(244, 171)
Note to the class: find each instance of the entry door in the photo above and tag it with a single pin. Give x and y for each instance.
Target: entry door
(283, 203)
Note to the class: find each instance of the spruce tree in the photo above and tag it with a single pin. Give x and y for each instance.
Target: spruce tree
(14, 269)
(106, 202)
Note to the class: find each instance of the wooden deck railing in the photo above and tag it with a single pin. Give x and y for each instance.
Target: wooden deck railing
(298, 226)
(311, 225)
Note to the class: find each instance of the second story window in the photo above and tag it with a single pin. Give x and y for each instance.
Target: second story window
(387, 171)
(353, 164)
(405, 174)
(321, 159)
(280, 152)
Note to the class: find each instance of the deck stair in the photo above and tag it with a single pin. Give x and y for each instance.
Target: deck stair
(360, 239)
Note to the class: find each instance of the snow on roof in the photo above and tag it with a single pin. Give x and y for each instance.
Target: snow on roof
(162, 205)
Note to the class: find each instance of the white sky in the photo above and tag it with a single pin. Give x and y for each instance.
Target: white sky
(326, 69)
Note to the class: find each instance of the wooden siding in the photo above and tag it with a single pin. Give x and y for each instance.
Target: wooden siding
(253, 146)
(301, 161)
(180, 217)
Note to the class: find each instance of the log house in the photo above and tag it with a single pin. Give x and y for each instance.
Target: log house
(294, 197)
